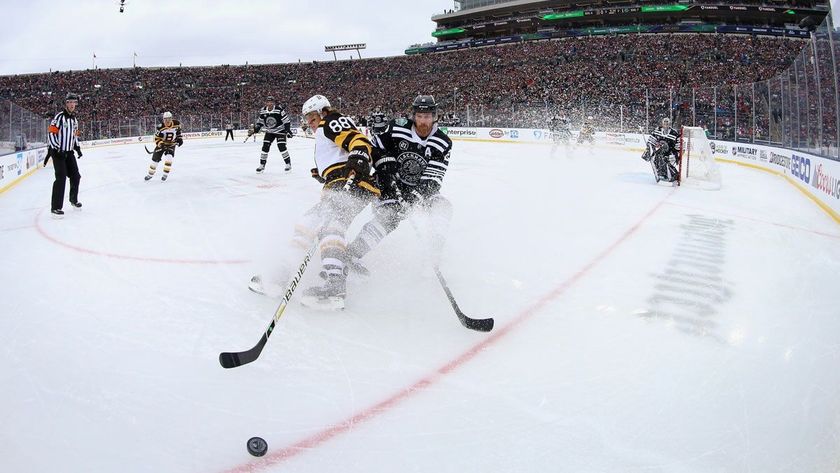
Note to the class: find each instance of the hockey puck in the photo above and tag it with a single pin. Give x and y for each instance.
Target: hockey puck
(257, 446)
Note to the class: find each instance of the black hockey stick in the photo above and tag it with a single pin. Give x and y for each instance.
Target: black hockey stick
(234, 359)
(479, 325)
(147, 150)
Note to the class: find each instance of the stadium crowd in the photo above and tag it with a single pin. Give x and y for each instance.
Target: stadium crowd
(501, 85)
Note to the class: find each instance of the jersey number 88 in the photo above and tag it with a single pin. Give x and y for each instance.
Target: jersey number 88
(341, 123)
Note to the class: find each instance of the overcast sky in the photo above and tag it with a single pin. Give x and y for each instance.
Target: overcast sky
(39, 35)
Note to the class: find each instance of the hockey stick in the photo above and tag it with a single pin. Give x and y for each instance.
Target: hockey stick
(479, 325)
(147, 150)
(234, 359)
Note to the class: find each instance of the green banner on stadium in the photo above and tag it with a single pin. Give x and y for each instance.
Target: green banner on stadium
(560, 16)
(448, 32)
(663, 8)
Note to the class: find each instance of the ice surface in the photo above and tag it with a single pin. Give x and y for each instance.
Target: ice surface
(638, 328)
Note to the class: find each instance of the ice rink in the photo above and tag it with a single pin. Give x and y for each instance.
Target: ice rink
(639, 328)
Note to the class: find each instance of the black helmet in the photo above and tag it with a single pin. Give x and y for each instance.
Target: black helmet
(270, 98)
(71, 96)
(424, 103)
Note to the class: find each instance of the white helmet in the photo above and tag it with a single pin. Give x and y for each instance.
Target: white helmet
(316, 103)
(167, 115)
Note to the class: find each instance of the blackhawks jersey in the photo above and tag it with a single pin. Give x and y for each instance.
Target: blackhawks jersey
(275, 121)
(669, 136)
(378, 123)
(420, 162)
(168, 136)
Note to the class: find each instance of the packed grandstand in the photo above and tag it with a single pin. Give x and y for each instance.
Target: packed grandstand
(605, 60)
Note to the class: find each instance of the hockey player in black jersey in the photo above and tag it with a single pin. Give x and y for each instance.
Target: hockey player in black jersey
(167, 137)
(663, 152)
(411, 158)
(561, 132)
(377, 123)
(277, 126)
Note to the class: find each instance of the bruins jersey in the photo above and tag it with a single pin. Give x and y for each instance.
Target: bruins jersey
(420, 162)
(275, 121)
(168, 136)
(335, 138)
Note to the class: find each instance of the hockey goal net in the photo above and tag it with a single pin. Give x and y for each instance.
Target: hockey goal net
(697, 162)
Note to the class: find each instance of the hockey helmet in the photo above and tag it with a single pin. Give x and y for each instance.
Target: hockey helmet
(71, 96)
(424, 103)
(666, 122)
(270, 98)
(316, 103)
(167, 115)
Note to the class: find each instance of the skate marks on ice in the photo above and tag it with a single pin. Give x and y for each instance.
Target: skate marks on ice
(691, 289)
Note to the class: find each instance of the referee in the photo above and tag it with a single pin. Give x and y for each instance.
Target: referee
(63, 136)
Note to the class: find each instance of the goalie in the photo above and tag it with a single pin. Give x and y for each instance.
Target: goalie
(663, 152)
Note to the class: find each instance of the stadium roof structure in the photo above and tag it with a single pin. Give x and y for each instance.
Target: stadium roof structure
(488, 22)
(525, 16)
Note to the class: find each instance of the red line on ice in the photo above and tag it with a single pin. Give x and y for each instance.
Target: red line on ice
(334, 430)
(89, 251)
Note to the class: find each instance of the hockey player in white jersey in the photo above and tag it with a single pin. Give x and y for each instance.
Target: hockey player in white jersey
(342, 165)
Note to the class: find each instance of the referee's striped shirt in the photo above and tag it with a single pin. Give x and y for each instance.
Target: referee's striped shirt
(63, 131)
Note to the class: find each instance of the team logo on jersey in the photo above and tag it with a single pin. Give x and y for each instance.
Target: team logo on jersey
(411, 167)
(270, 122)
(403, 145)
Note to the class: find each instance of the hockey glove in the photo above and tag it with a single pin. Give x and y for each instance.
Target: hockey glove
(317, 176)
(179, 141)
(359, 162)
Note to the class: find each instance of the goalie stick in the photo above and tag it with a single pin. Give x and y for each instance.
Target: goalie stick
(234, 359)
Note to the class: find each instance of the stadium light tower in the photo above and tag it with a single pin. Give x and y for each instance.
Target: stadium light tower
(345, 47)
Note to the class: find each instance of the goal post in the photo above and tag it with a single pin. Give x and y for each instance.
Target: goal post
(697, 166)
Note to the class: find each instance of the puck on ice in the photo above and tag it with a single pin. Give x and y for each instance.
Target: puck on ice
(257, 446)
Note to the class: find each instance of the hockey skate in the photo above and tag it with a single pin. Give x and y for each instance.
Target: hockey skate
(330, 296)
(260, 169)
(76, 205)
(163, 178)
(57, 214)
(288, 167)
(148, 177)
(356, 266)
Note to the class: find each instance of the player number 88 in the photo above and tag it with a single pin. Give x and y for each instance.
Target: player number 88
(341, 123)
